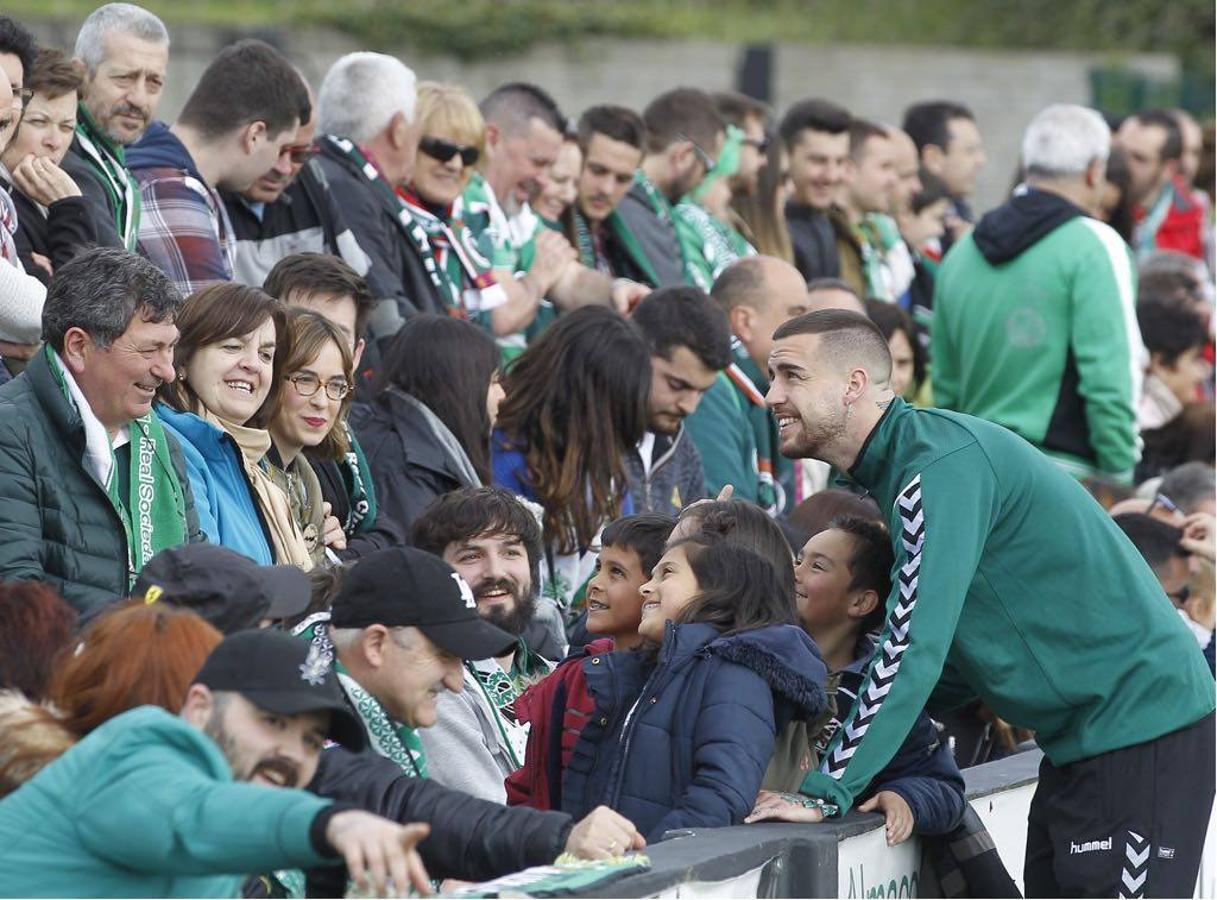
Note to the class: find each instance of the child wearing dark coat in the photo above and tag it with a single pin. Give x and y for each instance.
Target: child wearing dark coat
(683, 730)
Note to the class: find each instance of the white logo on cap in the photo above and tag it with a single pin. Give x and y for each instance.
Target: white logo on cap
(466, 591)
(314, 667)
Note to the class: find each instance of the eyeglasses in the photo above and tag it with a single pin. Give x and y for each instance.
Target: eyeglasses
(301, 153)
(1164, 501)
(702, 156)
(761, 144)
(307, 385)
(439, 149)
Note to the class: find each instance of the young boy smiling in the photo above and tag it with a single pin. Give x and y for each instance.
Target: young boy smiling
(559, 706)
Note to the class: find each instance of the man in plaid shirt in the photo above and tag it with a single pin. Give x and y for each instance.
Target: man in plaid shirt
(240, 122)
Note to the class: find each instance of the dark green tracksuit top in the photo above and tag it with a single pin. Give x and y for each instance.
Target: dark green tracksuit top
(1013, 585)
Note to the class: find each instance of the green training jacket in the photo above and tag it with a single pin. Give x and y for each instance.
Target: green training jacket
(1013, 585)
(145, 806)
(1035, 328)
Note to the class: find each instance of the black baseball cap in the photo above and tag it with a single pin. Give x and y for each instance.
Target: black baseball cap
(282, 674)
(229, 590)
(403, 586)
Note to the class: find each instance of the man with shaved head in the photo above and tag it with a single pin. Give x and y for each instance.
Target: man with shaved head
(733, 430)
(1014, 586)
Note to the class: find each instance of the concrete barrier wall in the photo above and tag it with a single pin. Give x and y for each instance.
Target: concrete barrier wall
(1005, 89)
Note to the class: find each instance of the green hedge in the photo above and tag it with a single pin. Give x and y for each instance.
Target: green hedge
(474, 28)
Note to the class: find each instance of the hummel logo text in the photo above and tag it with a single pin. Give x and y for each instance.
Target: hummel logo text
(1089, 846)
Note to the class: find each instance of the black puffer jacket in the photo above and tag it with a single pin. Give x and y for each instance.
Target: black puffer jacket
(56, 523)
(470, 838)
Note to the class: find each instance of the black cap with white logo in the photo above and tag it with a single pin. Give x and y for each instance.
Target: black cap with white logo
(282, 674)
(403, 586)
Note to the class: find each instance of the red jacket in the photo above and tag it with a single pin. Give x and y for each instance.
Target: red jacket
(1183, 228)
(556, 709)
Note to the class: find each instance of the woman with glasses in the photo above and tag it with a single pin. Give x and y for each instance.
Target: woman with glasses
(226, 380)
(313, 361)
(452, 139)
(53, 219)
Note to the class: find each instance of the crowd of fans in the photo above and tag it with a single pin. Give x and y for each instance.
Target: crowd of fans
(445, 485)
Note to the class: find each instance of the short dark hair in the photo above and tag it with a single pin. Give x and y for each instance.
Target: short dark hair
(929, 123)
(737, 108)
(1188, 485)
(932, 190)
(861, 131)
(738, 590)
(746, 525)
(682, 114)
(741, 282)
(100, 291)
(249, 81)
(891, 317)
(221, 310)
(815, 513)
(1169, 328)
(685, 316)
(1172, 147)
(16, 39)
(1156, 541)
(615, 122)
(645, 534)
(844, 332)
(813, 115)
(321, 273)
(512, 106)
(469, 511)
(870, 565)
(1169, 275)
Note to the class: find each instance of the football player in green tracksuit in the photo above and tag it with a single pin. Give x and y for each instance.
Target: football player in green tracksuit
(1011, 584)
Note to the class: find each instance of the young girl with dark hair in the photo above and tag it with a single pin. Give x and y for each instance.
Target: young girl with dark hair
(725, 672)
(427, 430)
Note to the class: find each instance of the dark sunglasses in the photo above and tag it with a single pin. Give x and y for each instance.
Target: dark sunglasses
(301, 153)
(439, 149)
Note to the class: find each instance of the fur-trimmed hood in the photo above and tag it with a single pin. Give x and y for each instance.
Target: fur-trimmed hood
(31, 737)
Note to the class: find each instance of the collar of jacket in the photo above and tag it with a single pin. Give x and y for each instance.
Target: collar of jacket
(872, 464)
(424, 447)
(64, 415)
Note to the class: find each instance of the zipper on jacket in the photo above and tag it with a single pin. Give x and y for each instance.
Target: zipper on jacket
(631, 722)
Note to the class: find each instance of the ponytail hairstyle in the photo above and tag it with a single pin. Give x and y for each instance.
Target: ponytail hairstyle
(738, 590)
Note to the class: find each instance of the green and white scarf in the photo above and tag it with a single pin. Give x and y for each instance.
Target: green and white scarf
(108, 160)
(708, 245)
(414, 232)
(154, 511)
(390, 739)
(502, 689)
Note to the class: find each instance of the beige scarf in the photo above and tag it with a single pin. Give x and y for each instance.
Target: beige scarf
(286, 540)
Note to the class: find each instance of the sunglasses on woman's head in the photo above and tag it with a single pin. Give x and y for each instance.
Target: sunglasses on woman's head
(439, 149)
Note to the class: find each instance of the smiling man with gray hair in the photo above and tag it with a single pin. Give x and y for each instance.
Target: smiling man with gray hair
(1035, 325)
(368, 138)
(91, 485)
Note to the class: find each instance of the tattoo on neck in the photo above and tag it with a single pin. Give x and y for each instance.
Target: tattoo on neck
(884, 404)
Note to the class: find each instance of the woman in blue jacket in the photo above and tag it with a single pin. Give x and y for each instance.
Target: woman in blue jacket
(683, 733)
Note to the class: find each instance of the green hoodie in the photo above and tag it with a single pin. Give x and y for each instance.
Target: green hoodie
(1035, 328)
(1013, 585)
(145, 806)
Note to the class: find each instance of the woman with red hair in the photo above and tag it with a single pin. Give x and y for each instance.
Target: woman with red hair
(139, 654)
(35, 625)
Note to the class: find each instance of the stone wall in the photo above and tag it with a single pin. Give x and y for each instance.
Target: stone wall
(1004, 89)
